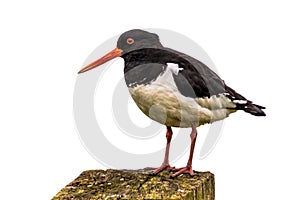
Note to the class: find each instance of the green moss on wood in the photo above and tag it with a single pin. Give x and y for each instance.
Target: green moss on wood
(138, 184)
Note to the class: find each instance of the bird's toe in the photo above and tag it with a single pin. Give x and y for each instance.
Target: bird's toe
(162, 168)
(184, 170)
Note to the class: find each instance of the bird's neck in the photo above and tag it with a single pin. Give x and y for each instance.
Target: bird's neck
(142, 66)
(142, 56)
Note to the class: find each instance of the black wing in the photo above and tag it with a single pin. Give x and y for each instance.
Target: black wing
(196, 79)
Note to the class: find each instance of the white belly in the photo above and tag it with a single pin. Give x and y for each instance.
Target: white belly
(162, 102)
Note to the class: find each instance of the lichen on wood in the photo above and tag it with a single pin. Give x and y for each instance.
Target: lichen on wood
(138, 184)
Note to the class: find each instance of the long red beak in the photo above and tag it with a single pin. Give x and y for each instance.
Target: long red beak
(113, 54)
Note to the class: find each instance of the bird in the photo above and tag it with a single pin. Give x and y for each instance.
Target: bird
(173, 88)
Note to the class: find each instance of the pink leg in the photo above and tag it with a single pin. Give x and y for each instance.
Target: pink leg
(188, 167)
(165, 164)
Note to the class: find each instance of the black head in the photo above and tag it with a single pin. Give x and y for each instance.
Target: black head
(129, 41)
(138, 39)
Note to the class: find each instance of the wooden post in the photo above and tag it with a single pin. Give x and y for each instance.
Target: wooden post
(138, 184)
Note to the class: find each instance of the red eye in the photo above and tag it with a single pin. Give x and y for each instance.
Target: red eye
(130, 41)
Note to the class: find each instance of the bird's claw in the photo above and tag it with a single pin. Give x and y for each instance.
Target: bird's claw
(162, 168)
(184, 170)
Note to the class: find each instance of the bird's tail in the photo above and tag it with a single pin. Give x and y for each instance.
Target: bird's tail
(242, 103)
(253, 109)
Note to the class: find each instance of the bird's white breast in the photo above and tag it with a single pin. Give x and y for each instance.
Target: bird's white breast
(161, 101)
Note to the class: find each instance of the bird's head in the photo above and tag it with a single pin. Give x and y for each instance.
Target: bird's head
(129, 41)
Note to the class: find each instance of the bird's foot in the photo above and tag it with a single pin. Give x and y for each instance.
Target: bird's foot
(162, 168)
(184, 170)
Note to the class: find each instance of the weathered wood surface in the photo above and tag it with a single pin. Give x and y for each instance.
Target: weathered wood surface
(138, 184)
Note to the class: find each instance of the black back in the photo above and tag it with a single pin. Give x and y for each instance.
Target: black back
(146, 64)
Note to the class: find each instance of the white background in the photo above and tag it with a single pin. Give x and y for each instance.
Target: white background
(254, 45)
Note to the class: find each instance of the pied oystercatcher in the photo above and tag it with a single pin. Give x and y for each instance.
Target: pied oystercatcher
(173, 88)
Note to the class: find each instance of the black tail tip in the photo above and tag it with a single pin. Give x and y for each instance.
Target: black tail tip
(255, 110)
(259, 114)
